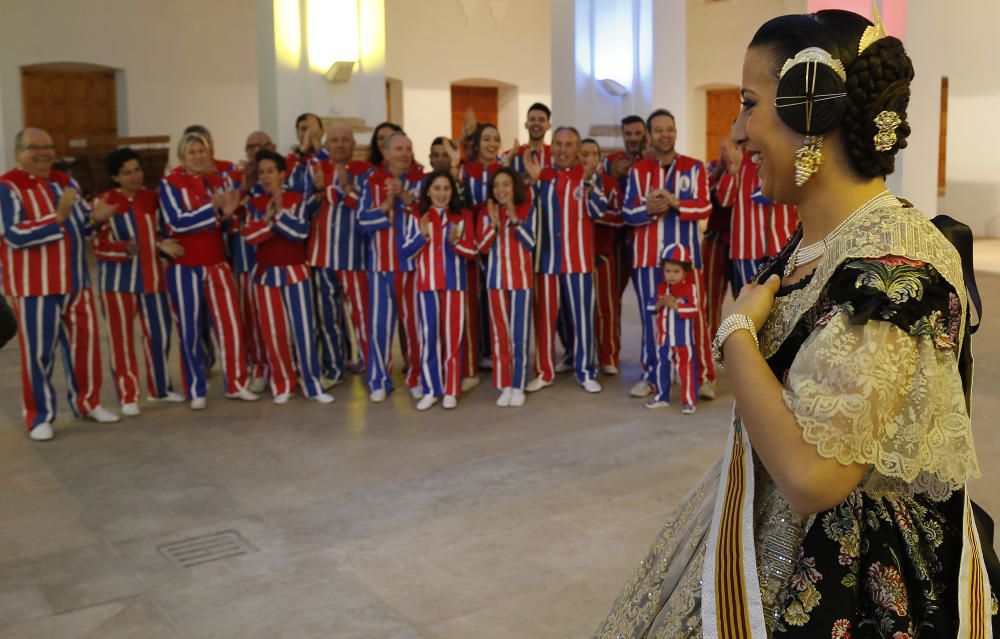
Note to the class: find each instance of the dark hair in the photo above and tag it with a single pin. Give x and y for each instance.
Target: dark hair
(684, 265)
(374, 152)
(632, 119)
(516, 182)
(657, 113)
(591, 141)
(117, 159)
(199, 129)
(477, 137)
(454, 205)
(538, 106)
(878, 79)
(274, 156)
(442, 140)
(306, 116)
(572, 129)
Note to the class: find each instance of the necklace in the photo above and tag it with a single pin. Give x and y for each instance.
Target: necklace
(806, 254)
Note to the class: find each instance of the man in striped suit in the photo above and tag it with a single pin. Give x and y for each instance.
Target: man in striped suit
(667, 195)
(567, 201)
(43, 223)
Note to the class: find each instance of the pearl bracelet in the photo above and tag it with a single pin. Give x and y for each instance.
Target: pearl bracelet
(730, 325)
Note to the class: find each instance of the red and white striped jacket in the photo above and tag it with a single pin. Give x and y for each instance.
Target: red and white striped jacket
(509, 248)
(441, 265)
(335, 241)
(610, 224)
(758, 227)
(39, 255)
(188, 215)
(386, 237)
(279, 242)
(544, 158)
(567, 208)
(686, 179)
(136, 221)
(675, 326)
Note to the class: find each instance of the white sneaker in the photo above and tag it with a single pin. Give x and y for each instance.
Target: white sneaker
(323, 398)
(504, 399)
(517, 397)
(281, 398)
(591, 386)
(642, 388)
(243, 394)
(564, 367)
(426, 402)
(171, 396)
(199, 403)
(656, 403)
(468, 383)
(377, 395)
(102, 415)
(416, 392)
(450, 401)
(42, 432)
(130, 409)
(257, 385)
(707, 391)
(610, 369)
(537, 384)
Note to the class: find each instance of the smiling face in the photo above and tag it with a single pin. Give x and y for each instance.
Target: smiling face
(503, 188)
(197, 158)
(633, 134)
(770, 142)
(537, 124)
(663, 134)
(439, 192)
(129, 177)
(565, 149)
(36, 153)
(489, 145)
(399, 153)
(340, 144)
(590, 156)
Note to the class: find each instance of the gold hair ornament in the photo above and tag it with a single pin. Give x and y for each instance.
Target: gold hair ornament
(808, 158)
(818, 55)
(875, 32)
(886, 121)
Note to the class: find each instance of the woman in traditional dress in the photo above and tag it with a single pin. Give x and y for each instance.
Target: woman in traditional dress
(839, 508)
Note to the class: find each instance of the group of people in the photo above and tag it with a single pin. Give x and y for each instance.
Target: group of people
(303, 266)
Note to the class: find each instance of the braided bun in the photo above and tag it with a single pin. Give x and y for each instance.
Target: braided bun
(878, 80)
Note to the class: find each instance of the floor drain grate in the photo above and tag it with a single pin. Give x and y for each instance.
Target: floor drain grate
(205, 548)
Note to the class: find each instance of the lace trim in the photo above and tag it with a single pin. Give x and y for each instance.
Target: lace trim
(872, 394)
(888, 231)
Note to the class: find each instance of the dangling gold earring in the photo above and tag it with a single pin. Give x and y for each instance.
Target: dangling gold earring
(808, 158)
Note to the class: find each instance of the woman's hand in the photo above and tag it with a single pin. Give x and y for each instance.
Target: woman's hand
(755, 300)
(494, 212)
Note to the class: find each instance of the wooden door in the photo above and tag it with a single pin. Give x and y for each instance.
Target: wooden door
(722, 108)
(482, 100)
(70, 104)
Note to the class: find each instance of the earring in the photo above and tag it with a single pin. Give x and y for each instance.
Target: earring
(808, 158)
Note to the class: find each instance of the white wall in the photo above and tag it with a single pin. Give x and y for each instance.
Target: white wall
(185, 61)
(432, 43)
(718, 35)
(973, 181)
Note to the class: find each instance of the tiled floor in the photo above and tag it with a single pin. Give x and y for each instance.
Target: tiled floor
(364, 520)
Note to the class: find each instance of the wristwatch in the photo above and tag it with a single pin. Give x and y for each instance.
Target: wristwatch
(733, 323)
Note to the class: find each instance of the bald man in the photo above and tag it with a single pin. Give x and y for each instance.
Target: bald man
(43, 225)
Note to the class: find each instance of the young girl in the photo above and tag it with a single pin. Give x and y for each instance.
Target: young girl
(439, 238)
(676, 309)
(506, 234)
(277, 225)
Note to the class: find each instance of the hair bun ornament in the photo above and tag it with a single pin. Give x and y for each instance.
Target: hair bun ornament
(811, 91)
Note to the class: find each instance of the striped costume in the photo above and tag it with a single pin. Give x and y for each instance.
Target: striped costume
(442, 281)
(132, 285)
(509, 274)
(283, 291)
(607, 242)
(45, 274)
(674, 339)
(241, 258)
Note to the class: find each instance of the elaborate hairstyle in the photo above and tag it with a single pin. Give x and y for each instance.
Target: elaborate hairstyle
(657, 113)
(374, 152)
(517, 184)
(117, 159)
(633, 119)
(454, 204)
(538, 106)
(877, 79)
(274, 156)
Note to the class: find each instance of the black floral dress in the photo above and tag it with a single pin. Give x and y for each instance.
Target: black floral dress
(883, 563)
